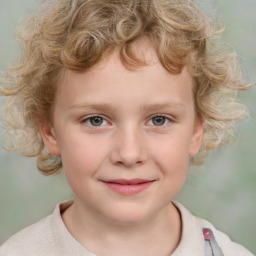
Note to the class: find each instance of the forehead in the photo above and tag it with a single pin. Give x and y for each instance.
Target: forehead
(111, 63)
(109, 81)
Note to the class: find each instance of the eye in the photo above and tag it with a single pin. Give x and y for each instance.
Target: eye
(159, 120)
(95, 121)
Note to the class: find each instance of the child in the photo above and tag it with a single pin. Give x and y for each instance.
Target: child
(121, 94)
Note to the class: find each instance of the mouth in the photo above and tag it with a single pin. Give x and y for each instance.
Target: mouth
(128, 187)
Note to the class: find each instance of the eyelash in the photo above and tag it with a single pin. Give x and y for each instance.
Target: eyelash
(167, 119)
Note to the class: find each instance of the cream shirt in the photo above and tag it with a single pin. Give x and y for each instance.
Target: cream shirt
(50, 237)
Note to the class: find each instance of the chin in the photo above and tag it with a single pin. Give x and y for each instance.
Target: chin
(129, 215)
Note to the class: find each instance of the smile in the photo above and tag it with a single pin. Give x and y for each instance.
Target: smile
(128, 187)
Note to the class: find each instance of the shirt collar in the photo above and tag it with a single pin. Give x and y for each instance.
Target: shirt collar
(191, 243)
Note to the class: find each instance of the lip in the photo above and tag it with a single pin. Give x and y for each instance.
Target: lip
(128, 187)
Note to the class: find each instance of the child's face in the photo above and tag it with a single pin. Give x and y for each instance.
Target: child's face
(126, 140)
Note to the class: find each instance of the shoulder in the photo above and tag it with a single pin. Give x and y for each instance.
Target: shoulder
(47, 237)
(35, 238)
(228, 247)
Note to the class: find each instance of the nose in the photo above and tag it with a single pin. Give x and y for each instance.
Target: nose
(128, 148)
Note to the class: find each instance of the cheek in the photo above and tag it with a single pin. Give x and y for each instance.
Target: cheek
(172, 158)
(83, 159)
(172, 161)
(174, 164)
(173, 151)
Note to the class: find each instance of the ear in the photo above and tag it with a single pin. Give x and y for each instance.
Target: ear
(197, 137)
(49, 138)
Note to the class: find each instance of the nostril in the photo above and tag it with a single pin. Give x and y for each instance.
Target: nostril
(129, 164)
(128, 155)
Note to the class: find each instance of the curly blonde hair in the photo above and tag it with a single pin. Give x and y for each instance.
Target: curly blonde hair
(75, 34)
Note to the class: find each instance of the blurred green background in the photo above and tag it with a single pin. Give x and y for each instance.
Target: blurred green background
(222, 191)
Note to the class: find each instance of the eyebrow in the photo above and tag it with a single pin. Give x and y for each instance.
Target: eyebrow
(147, 107)
(163, 105)
(95, 106)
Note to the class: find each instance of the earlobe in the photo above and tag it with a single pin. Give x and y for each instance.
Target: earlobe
(49, 138)
(196, 138)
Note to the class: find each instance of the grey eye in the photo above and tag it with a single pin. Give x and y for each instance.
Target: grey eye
(96, 121)
(159, 120)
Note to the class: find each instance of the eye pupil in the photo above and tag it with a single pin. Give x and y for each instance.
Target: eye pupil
(159, 120)
(96, 121)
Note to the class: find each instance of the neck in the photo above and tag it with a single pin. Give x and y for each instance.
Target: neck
(158, 235)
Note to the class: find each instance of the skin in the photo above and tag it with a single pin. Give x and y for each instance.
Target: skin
(128, 144)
